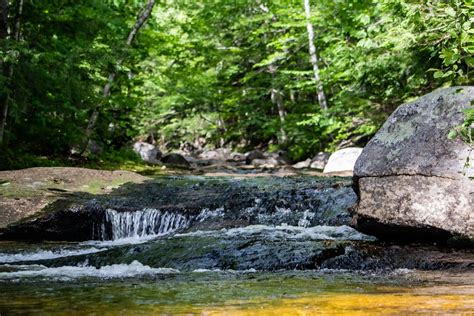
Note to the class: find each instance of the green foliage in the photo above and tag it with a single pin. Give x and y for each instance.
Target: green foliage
(202, 73)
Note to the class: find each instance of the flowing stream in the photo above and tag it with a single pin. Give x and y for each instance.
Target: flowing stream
(262, 246)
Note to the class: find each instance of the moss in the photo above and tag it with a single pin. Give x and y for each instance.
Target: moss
(400, 132)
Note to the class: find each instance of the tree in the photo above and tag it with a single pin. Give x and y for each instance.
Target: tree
(142, 17)
(314, 57)
(9, 68)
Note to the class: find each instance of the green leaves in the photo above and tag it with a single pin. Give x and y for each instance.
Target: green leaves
(202, 72)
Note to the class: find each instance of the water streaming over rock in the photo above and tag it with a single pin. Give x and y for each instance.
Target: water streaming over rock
(142, 223)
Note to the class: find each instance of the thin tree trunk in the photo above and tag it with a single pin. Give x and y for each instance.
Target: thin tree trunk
(314, 57)
(3, 19)
(222, 129)
(141, 20)
(275, 94)
(277, 98)
(4, 92)
(8, 70)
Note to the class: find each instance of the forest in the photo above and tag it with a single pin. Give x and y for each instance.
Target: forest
(303, 76)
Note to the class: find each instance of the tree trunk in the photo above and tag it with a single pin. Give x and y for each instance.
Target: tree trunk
(7, 70)
(275, 94)
(3, 19)
(277, 98)
(141, 20)
(314, 57)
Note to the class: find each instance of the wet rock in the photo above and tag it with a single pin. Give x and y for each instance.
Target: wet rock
(412, 176)
(62, 220)
(147, 152)
(266, 248)
(380, 257)
(343, 160)
(175, 160)
(205, 203)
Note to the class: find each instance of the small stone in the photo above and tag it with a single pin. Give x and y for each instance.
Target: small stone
(302, 164)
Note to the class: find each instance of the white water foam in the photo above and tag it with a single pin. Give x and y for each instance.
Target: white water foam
(45, 254)
(289, 232)
(224, 271)
(144, 223)
(207, 213)
(106, 272)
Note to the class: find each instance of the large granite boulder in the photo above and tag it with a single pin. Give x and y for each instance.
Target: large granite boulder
(412, 180)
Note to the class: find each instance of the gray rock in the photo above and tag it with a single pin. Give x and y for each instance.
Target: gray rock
(175, 160)
(411, 175)
(218, 154)
(281, 156)
(252, 155)
(343, 160)
(302, 164)
(237, 157)
(265, 163)
(319, 161)
(147, 152)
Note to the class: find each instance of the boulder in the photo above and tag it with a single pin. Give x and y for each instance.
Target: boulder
(281, 156)
(147, 152)
(412, 180)
(252, 155)
(175, 160)
(217, 154)
(343, 160)
(319, 161)
(237, 157)
(265, 163)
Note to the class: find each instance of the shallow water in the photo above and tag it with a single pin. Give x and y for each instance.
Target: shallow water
(263, 247)
(241, 293)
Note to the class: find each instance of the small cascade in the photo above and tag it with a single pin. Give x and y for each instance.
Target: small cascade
(139, 224)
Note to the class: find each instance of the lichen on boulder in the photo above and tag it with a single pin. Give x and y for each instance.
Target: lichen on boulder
(412, 176)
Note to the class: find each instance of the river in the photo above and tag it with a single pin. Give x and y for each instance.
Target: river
(211, 246)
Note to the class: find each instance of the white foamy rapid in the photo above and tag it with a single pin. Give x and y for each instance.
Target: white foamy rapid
(143, 223)
(45, 254)
(289, 232)
(106, 272)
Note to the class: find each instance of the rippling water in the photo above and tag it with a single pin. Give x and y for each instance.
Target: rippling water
(230, 261)
(137, 289)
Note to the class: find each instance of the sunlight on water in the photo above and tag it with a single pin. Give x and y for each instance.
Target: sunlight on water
(354, 304)
(285, 293)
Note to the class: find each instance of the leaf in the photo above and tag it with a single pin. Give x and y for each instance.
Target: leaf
(450, 11)
(438, 74)
(452, 134)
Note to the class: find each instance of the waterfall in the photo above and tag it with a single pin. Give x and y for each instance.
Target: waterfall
(143, 223)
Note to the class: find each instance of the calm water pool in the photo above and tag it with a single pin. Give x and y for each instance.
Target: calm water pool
(242, 293)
